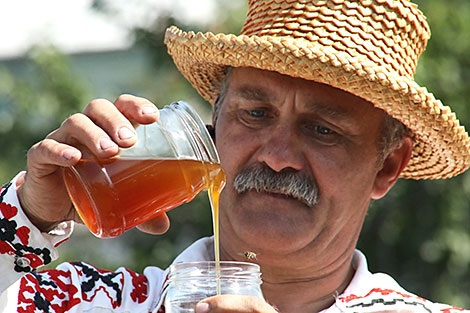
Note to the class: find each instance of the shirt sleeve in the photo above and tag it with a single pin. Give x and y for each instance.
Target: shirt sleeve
(71, 287)
(23, 247)
(79, 287)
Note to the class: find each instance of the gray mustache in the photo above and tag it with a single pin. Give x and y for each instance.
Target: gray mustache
(289, 183)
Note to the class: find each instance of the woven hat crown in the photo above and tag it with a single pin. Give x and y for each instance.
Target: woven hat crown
(391, 34)
(369, 48)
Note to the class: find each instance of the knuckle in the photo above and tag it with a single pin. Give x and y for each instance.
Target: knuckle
(34, 149)
(72, 120)
(43, 147)
(94, 104)
(126, 99)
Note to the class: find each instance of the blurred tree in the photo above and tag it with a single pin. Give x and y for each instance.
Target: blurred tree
(33, 105)
(419, 233)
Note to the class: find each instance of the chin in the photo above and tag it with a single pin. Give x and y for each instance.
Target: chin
(266, 224)
(270, 233)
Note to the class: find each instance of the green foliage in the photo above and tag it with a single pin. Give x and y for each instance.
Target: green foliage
(33, 104)
(419, 233)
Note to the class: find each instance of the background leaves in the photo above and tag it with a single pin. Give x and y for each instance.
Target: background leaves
(419, 233)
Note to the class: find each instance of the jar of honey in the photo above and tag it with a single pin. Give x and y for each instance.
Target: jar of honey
(173, 160)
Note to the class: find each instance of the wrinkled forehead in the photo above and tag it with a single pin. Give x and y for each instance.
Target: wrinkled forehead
(262, 86)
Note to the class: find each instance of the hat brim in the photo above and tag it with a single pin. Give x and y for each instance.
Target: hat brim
(441, 146)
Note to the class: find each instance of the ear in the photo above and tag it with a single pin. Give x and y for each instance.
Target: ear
(391, 168)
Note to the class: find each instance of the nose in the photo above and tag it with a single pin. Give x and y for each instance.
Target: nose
(281, 149)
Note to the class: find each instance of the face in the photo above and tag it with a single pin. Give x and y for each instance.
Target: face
(293, 125)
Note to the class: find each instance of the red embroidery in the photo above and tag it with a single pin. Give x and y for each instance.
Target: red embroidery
(139, 282)
(23, 234)
(383, 292)
(34, 260)
(5, 247)
(48, 291)
(8, 210)
(94, 280)
(396, 297)
(60, 242)
(449, 310)
(106, 290)
(14, 239)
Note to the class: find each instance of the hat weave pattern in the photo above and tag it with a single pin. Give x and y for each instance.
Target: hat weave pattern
(369, 48)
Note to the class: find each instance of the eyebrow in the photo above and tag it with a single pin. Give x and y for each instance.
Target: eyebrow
(253, 94)
(328, 110)
(257, 94)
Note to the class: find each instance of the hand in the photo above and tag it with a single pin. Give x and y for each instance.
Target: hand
(101, 128)
(233, 303)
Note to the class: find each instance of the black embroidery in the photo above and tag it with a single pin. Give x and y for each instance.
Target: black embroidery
(96, 276)
(42, 281)
(390, 302)
(4, 190)
(7, 229)
(8, 232)
(21, 250)
(41, 303)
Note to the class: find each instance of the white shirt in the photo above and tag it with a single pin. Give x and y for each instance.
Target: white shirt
(80, 287)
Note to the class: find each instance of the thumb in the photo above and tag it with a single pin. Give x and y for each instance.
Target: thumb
(155, 226)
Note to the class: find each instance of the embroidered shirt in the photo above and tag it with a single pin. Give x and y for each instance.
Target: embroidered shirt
(79, 287)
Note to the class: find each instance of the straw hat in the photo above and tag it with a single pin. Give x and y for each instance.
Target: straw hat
(369, 48)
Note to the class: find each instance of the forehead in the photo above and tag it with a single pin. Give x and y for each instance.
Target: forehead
(271, 87)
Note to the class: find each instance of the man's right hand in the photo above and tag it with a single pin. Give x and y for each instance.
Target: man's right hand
(102, 128)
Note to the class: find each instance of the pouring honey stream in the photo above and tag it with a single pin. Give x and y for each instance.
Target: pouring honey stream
(173, 160)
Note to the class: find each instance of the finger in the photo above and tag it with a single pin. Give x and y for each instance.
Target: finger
(108, 117)
(78, 130)
(137, 109)
(156, 226)
(234, 303)
(45, 156)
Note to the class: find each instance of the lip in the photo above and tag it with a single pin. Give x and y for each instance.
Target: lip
(271, 196)
(277, 195)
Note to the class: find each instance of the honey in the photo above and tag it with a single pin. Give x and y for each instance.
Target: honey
(115, 194)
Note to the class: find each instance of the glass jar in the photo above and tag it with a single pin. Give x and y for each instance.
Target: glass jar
(172, 161)
(191, 282)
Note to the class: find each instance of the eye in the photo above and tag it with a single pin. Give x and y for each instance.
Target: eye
(256, 113)
(255, 117)
(321, 134)
(323, 130)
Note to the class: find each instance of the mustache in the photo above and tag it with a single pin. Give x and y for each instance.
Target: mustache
(261, 178)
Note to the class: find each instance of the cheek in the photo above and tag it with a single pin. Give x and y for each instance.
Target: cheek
(234, 150)
(344, 174)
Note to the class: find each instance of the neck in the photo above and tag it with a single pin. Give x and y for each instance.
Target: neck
(292, 288)
(309, 294)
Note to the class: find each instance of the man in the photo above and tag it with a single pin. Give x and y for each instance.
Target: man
(307, 104)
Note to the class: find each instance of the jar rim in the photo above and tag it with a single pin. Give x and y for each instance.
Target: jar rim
(228, 269)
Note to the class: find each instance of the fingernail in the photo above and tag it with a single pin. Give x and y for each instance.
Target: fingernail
(68, 154)
(202, 307)
(106, 144)
(125, 133)
(149, 109)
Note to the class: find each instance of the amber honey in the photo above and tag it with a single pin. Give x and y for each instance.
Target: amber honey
(116, 194)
